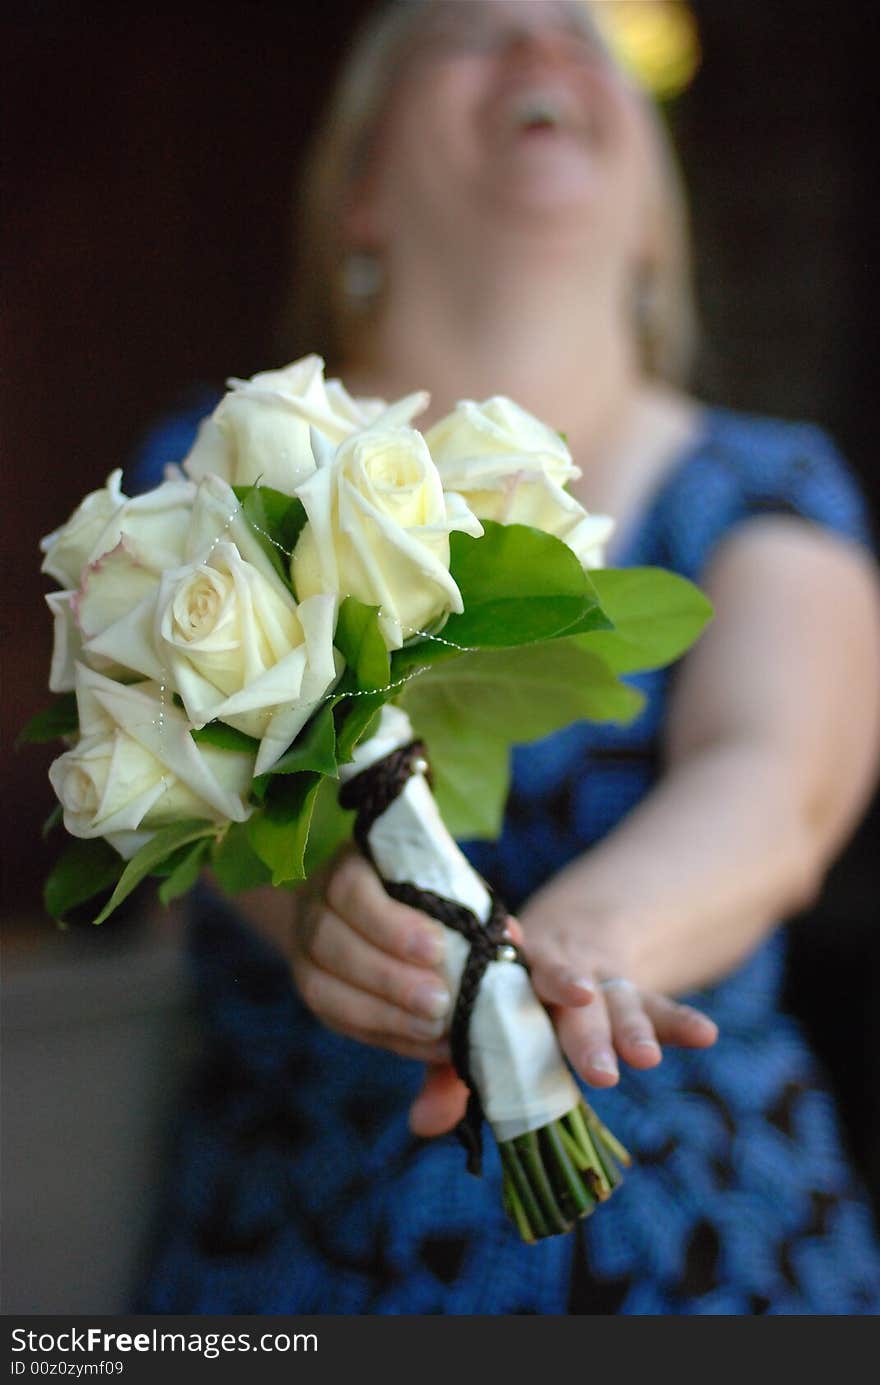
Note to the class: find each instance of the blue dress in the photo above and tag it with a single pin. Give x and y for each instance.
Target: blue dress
(296, 1186)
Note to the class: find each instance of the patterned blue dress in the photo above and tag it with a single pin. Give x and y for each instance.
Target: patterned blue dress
(296, 1186)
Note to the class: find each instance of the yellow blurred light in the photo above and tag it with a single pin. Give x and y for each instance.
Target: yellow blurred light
(656, 41)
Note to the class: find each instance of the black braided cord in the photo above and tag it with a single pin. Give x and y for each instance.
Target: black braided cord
(375, 789)
(370, 793)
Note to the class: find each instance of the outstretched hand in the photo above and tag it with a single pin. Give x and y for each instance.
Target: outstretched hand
(600, 1017)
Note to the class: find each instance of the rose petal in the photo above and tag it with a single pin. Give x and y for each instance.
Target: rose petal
(69, 548)
(217, 517)
(402, 411)
(67, 643)
(111, 588)
(154, 526)
(163, 730)
(129, 642)
(128, 844)
(210, 454)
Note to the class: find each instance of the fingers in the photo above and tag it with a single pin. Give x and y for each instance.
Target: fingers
(643, 1021)
(554, 982)
(585, 1035)
(370, 968)
(625, 1023)
(631, 1027)
(421, 1051)
(558, 985)
(350, 1010)
(360, 961)
(356, 894)
(335, 947)
(441, 1103)
(681, 1025)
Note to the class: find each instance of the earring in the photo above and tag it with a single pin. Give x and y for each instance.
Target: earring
(646, 307)
(362, 277)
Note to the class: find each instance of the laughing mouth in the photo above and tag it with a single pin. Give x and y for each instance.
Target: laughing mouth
(547, 111)
(537, 113)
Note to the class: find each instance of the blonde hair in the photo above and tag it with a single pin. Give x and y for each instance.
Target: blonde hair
(323, 316)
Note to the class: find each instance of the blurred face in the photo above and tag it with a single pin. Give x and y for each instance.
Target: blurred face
(507, 114)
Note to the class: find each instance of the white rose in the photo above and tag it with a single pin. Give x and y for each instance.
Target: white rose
(511, 468)
(115, 607)
(260, 430)
(113, 551)
(218, 517)
(112, 615)
(69, 548)
(378, 529)
(499, 428)
(153, 526)
(136, 767)
(240, 650)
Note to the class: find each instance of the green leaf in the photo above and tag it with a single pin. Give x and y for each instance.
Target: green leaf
(151, 856)
(279, 831)
(471, 710)
(314, 749)
(354, 718)
(84, 869)
(420, 654)
(359, 641)
(169, 865)
(185, 873)
(55, 817)
(60, 718)
(330, 827)
(471, 781)
(657, 615)
(224, 737)
(276, 520)
(235, 863)
(518, 585)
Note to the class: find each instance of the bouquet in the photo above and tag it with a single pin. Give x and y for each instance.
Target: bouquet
(327, 623)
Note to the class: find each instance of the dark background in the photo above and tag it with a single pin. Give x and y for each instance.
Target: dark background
(149, 155)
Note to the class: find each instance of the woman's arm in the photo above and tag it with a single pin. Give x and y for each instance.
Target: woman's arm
(772, 746)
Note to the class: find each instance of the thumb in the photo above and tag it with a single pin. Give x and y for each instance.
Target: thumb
(440, 1104)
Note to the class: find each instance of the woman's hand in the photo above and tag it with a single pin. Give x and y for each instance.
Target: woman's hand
(369, 967)
(601, 1016)
(579, 968)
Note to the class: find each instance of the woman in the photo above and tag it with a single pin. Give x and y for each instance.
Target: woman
(512, 198)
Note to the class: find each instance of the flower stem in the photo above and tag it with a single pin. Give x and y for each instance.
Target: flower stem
(555, 1176)
(574, 1151)
(523, 1190)
(614, 1147)
(528, 1149)
(596, 1173)
(516, 1212)
(583, 1200)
